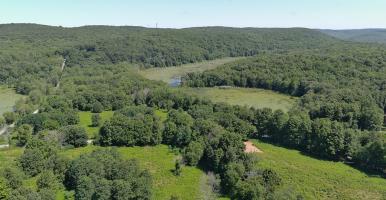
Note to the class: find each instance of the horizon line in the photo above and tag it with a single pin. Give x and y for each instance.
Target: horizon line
(187, 27)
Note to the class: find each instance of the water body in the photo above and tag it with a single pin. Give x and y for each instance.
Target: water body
(175, 82)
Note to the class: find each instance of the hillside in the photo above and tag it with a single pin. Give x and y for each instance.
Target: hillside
(108, 132)
(359, 35)
(40, 48)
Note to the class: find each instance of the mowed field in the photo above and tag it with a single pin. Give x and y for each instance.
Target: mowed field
(319, 179)
(8, 98)
(257, 98)
(168, 73)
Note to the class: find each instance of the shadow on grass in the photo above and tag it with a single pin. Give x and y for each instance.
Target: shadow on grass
(367, 171)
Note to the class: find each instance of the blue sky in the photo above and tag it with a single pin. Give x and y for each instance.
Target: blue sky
(334, 14)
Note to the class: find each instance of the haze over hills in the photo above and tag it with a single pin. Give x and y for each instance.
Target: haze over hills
(359, 35)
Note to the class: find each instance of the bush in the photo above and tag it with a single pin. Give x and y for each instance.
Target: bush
(95, 120)
(97, 107)
(74, 135)
(23, 134)
(10, 117)
(193, 153)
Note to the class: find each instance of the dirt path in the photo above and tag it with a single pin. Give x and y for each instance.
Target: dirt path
(61, 72)
(251, 148)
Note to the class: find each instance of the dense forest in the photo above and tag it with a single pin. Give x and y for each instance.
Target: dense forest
(342, 89)
(30, 51)
(345, 91)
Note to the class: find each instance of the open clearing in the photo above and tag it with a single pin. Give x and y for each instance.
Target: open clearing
(251, 148)
(257, 98)
(166, 74)
(85, 121)
(8, 98)
(319, 179)
(159, 160)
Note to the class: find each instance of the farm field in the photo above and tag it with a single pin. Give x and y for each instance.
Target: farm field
(319, 179)
(168, 74)
(258, 98)
(8, 98)
(85, 121)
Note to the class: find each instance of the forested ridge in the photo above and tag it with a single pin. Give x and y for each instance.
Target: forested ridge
(340, 92)
(341, 85)
(31, 51)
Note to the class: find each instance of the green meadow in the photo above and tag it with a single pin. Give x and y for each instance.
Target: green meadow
(85, 121)
(159, 160)
(319, 179)
(251, 97)
(168, 73)
(8, 98)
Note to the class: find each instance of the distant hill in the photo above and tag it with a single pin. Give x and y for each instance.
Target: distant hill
(359, 35)
(39, 47)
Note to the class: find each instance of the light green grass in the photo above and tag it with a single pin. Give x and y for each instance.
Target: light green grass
(8, 98)
(159, 160)
(162, 114)
(8, 156)
(85, 121)
(257, 98)
(167, 73)
(319, 179)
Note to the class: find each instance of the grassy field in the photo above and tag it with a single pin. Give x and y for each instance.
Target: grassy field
(159, 160)
(257, 98)
(318, 179)
(85, 121)
(8, 97)
(168, 73)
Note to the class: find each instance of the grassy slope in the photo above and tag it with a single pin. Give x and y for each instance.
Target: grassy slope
(318, 179)
(85, 121)
(8, 97)
(168, 73)
(257, 98)
(159, 160)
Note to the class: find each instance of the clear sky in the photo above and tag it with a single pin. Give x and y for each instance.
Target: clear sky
(334, 14)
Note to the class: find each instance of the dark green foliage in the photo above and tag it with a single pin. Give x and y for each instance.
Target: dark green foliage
(177, 168)
(47, 180)
(96, 120)
(97, 107)
(39, 156)
(347, 87)
(74, 135)
(9, 117)
(178, 128)
(135, 125)
(51, 119)
(103, 174)
(4, 189)
(23, 134)
(193, 153)
(13, 177)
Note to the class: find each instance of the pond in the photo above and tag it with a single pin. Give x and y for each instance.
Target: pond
(175, 82)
